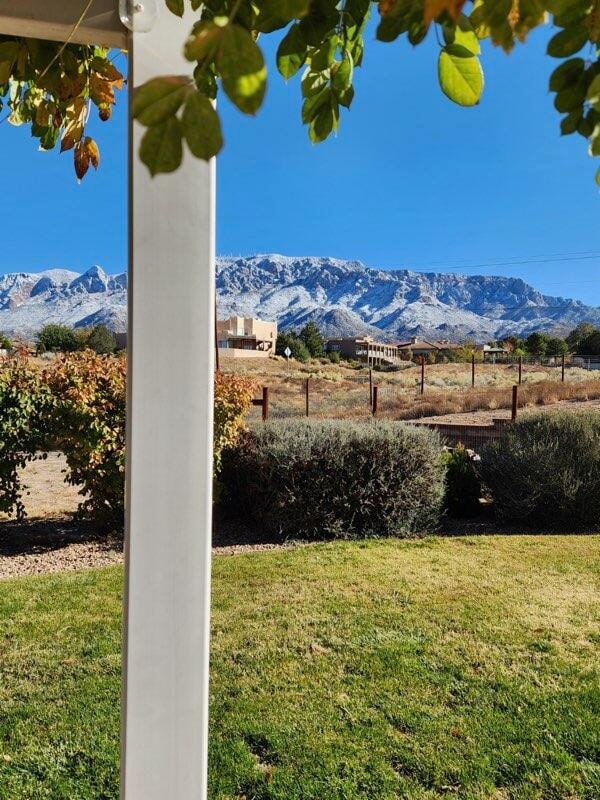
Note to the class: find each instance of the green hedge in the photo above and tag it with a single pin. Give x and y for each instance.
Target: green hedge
(545, 471)
(335, 479)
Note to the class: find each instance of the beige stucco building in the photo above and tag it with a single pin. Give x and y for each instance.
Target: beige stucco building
(246, 337)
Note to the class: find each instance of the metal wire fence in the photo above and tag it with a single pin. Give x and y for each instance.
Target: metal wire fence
(467, 402)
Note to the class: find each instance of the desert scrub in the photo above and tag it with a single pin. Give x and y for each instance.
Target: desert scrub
(545, 471)
(336, 479)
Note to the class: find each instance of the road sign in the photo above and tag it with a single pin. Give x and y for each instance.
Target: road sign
(287, 352)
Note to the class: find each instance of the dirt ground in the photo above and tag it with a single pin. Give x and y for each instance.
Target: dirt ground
(487, 417)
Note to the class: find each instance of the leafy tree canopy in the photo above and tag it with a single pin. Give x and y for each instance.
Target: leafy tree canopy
(50, 87)
(54, 338)
(537, 343)
(577, 336)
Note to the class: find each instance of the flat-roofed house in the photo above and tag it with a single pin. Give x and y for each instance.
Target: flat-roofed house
(422, 347)
(246, 337)
(364, 349)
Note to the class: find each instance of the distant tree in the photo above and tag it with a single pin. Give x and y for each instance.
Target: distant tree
(591, 345)
(5, 342)
(57, 339)
(312, 338)
(537, 344)
(297, 347)
(101, 340)
(557, 347)
(514, 343)
(578, 335)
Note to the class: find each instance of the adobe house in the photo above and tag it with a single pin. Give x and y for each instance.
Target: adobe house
(246, 337)
(164, 729)
(363, 349)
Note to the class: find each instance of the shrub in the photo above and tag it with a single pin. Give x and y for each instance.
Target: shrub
(233, 396)
(100, 339)
(334, 356)
(336, 479)
(56, 339)
(545, 471)
(463, 484)
(88, 423)
(24, 405)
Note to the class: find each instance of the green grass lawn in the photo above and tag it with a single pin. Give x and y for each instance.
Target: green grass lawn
(458, 668)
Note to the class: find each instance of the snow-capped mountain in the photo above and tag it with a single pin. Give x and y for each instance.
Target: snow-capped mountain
(344, 298)
(30, 300)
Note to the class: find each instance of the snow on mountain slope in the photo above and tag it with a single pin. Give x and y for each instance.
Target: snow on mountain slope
(30, 300)
(344, 298)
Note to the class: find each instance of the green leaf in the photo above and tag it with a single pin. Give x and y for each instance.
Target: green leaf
(571, 122)
(291, 53)
(313, 82)
(204, 41)
(342, 77)
(595, 142)
(566, 74)
(322, 58)
(205, 81)
(242, 67)
(175, 7)
(322, 125)
(161, 149)
(345, 98)
(570, 98)
(598, 178)
(460, 75)
(201, 127)
(160, 98)
(462, 33)
(593, 93)
(568, 41)
(312, 104)
(276, 14)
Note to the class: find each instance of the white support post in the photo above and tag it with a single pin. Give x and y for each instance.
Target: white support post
(169, 478)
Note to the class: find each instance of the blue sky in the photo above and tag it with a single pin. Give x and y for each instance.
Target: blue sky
(411, 181)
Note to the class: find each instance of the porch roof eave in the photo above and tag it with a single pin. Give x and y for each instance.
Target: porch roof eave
(53, 20)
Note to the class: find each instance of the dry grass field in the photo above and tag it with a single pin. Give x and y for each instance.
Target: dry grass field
(342, 390)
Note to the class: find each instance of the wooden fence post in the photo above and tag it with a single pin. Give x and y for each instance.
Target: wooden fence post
(422, 374)
(371, 387)
(563, 369)
(306, 394)
(375, 398)
(265, 404)
(520, 370)
(473, 370)
(515, 402)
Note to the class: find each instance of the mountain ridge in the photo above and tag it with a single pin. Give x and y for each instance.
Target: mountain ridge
(344, 297)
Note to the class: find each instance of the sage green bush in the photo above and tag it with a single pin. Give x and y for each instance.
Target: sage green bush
(333, 479)
(463, 484)
(545, 471)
